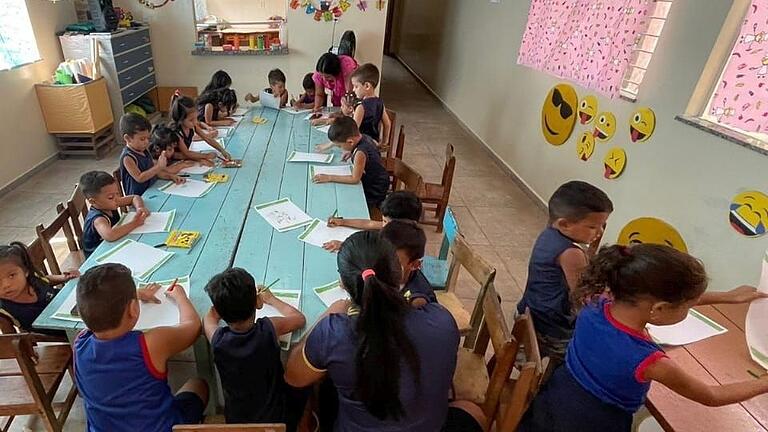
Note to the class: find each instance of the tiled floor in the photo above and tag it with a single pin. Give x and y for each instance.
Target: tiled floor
(495, 216)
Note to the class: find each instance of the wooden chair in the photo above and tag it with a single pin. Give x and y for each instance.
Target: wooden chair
(230, 428)
(45, 234)
(78, 208)
(392, 156)
(437, 195)
(462, 256)
(37, 255)
(30, 377)
(393, 123)
(119, 180)
(404, 175)
(436, 268)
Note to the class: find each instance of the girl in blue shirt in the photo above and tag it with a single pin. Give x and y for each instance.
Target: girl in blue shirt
(612, 360)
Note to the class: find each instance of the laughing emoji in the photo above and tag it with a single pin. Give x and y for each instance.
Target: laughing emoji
(586, 146)
(615, 162)
(558, 114)
(605, 126)
(749, 213)
(587, 109)
(648, 230)
(642, 124)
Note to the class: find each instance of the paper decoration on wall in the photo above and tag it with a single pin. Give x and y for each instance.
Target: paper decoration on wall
(615, 162)
(605, 126)
(585, 146)
(380, 4)
(362, 5)
(740, 98)
(589, 42)
(757, 319)
(558, 114)
(329, 10)
(749, 213)
(648, 230)
(642, 124)
(587, 109)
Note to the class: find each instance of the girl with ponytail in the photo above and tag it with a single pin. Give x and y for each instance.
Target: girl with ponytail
(184, 122)
(612, 360)
(391, 364)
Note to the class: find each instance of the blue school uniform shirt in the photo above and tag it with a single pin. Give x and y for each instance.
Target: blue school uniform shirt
(375, 178)
(546, 292)
(144, 161)
(419, 287)
(121, 389)
(251, 373)
(91, 237)
(608, 359)
(26, 313)
(373, 112)
(332, 346)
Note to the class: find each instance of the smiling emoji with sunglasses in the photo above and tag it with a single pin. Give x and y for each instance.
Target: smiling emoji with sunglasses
(558, 114)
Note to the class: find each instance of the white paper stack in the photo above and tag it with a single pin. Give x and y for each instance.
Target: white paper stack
(331, 293)
(339, 170)
(319, 233)
(283, 215)
(310, 157)
(196, 169)
(693, 328)
(142, 259)
(154, 223)
(190, 189)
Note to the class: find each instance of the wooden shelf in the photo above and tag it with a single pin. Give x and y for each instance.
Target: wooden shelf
(209, 52)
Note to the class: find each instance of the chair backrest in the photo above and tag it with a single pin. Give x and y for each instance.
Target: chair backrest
(46, 233)
(408, 177)
(8, 324)
(78, 208)
(230, 428)
(450, 231)
(119, 180)
(37, 255)
(448, 170)
(392, 120)
(400, 143)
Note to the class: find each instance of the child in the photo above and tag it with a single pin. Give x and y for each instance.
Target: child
(24, 291)
(215, 107)
(247, 354)
(137, 169)
(276, 88)
(220, 80)
(367, 166)
(577, 214)
(184, 123)
(307, 99)
(369, 112)
(612, 360)
(100, 189)
(162, 141)
(410, 241)
(122, 373)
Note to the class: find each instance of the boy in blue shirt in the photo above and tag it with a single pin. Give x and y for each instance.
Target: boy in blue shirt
(410, 241)
(578, 212)
(369, 111)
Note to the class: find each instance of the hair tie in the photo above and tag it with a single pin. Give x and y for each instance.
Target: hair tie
(368, 273)
(625, 251)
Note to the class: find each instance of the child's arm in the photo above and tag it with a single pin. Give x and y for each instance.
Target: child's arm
(142, 176)
(292, 318)
(249, 97)
(284, 99)
(362, 224)
(165, 342)
(742, 294)
(678, 380)
(358, 114)
(213, 143)
(357, 173)
(175, 168)
(211, 323)
(165, 175)
(110, 233)
(186, 153)
(573, 262)
(133, 200)
(385, 130)
(319, 97)
(209, 120)
(64, 277)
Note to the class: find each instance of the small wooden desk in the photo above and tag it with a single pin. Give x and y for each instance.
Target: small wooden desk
(722, 359)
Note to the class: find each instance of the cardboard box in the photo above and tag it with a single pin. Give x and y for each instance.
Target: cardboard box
(164, 95)
(77, 108)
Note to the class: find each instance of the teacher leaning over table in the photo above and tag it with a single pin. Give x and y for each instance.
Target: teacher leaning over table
(333, 72)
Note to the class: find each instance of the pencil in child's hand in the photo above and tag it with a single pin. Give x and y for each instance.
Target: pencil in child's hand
(755, 374)
(170, 288)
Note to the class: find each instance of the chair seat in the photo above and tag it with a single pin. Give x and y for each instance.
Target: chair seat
(433, 193)
(52, 359)
(15, 399)
(470, 381)
(456, 308)
(436, 271)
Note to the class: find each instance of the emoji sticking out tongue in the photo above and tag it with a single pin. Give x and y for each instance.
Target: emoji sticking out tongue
(615, 162)
(642, 124)
(605, 126)
(587, 109)
(636, 135)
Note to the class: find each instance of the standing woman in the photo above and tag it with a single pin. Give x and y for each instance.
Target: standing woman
(391, 364)
(333, 72)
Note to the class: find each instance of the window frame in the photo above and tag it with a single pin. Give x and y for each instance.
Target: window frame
(38, 56)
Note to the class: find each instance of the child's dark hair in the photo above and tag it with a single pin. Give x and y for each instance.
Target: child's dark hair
(162, 139)
(92, 182)
(329, 64)
(132, 123)
(308, 83)
(342, 129)
(577, 199)
(219, 80)
(275, 76)
(402, 205)
(228, 99)
(367, 73)
(632, 272)
(406, 235)
(17, 253)
(233, 294)
(103, 293)
(383, 344)
(180, 107)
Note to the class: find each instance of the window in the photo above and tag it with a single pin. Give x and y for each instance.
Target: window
(17, 40)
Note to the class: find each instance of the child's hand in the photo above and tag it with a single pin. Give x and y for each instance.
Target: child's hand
(339, 306)
(71, 274)
(206, 162)
(176, 293)
(346, 156)
(178, 180)
(321, 178)
(140, 218)
(266, 295)
(225, 154)
(335, 222)
(147, 294)
(186, 164)
(143, 211)
(744, 294)
(347, 109)
(162, 160)
(332, 246)
(322, 148)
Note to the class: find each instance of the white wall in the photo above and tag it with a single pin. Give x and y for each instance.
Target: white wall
(25, 142)
(173, 36)
(245, 10)
(466, 51)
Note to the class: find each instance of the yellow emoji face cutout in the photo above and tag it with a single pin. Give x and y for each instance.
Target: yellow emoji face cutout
(642, 124)
(585, 146)
(558, 114)
(615, 162)
(605, 126)
(749, 213)
(648, 230)
(587, 109)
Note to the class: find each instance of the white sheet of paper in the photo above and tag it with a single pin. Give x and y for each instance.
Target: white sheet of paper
(292, 110)
(341, 170)
(269, 101)
(196, 169)
(240, 111)
(142, 259)
(283, 215)
(223, 131)
(154, 223)
(757, 322)
(288, 296)
(693, 328)
(237, 118)
(330, 293)
(310, 157)
(191, 188)
(203, 147)
(309, 116)
(318, 233)
(324, 129)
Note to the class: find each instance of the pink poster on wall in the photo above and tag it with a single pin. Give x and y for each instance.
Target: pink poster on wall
(589, 42)
(741, 97)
